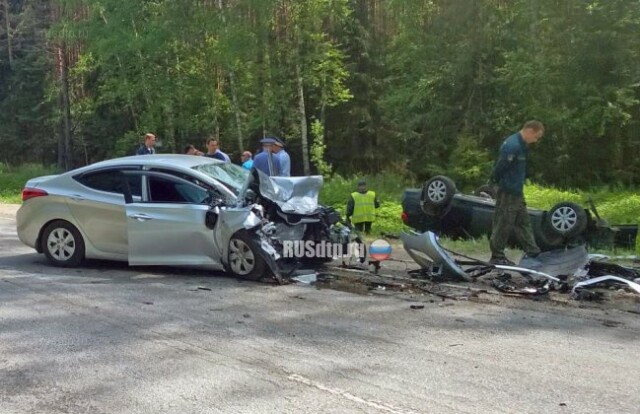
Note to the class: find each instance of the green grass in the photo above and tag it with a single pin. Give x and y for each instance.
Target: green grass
(617, 206)
(388, 188)
(13, 179)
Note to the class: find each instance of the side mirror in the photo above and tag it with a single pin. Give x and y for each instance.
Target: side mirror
(211, 218)
(250, 195)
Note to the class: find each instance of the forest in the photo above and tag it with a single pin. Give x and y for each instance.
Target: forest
(409, 87)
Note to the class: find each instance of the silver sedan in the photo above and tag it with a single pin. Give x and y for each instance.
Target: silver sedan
(175, 210)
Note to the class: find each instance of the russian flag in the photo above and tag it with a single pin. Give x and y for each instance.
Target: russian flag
(380, 250)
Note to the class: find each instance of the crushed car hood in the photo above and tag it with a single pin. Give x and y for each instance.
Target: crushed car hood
(292, 194)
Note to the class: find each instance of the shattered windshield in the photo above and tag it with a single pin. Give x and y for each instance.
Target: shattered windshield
(229, 174)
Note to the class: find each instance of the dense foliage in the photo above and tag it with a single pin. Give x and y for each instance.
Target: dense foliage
(410, 86)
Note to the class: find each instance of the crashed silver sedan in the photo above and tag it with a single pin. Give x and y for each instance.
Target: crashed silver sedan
(176, 210)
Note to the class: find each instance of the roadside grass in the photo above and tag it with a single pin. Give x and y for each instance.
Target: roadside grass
(13, 179)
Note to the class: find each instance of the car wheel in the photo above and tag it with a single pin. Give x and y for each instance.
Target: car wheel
(438, 191)
(62, 244)
(244, 260)
(486, 191)
(566, 220)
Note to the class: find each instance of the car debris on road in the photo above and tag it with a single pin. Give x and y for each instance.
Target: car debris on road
(570, 270)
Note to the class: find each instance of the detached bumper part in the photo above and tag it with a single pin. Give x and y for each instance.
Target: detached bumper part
(427, 252)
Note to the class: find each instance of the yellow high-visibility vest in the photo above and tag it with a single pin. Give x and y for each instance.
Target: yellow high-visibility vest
(364, 208)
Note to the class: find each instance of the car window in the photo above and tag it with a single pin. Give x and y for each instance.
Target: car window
(162, 190)
(189, 178)
(111, 181)
(231, 175)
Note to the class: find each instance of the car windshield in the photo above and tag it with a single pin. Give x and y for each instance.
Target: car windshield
(229, 174)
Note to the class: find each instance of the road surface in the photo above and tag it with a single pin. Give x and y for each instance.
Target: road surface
(108, 338)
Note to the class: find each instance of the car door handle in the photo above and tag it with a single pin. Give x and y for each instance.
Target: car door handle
(76, 197)
(140, 217)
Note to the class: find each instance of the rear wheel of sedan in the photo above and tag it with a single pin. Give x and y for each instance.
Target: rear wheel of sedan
(566, 220)
(438, 191)
(244, 260)
(486, 191)
(62, 244)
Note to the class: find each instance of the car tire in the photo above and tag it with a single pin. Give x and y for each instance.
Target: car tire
(243, 259)
(486, 191)
(438, 191)
(566, 220)
(63, 244)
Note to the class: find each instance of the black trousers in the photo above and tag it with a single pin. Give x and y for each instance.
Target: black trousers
(364, 226)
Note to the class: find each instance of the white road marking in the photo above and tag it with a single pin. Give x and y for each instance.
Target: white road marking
(379, 406)
(6, 218)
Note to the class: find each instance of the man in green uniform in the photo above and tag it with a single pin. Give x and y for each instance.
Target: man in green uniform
(361, 207)
(509, 174)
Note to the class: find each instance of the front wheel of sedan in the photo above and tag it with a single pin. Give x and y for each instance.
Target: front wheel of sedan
(566, 220)
(244, 261)
(62, 244)
(438, 191)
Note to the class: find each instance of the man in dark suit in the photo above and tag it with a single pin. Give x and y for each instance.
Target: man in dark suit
(148, 147)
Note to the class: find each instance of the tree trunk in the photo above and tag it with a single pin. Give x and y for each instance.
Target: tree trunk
(8, 29)
(232, 86)
(236, 110)
(64, 142)
(303, 122)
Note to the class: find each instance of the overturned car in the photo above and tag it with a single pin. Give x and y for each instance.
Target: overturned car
(439, 207)
(178, 210)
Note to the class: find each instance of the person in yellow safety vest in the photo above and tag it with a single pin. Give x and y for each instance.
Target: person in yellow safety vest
(361, 207)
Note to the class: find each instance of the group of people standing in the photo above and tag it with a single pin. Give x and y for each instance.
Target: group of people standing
(273, 160)
(508, 175)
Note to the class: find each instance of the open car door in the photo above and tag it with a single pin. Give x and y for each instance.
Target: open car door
(168, 226)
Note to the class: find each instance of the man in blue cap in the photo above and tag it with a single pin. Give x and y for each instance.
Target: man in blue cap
(283, 157)
(266, 161)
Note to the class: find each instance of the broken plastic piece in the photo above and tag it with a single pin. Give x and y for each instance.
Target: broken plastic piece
(425, 250)
(596, 280)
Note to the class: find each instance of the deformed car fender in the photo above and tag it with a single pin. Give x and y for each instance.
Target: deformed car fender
(234, 219)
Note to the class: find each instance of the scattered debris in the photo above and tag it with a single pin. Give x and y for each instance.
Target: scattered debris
(306, 279)
(598, 280)
(588, 296)
(203, 288)
(565, 270)
(147, 303)
(509, 287)
(417, 306)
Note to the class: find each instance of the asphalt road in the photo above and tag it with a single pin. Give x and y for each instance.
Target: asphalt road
(108, 338)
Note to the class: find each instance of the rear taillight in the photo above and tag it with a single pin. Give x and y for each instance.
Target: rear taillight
(404, 217)
(28, 193)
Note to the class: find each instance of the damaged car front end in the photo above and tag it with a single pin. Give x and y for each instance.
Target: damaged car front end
(254, 234)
